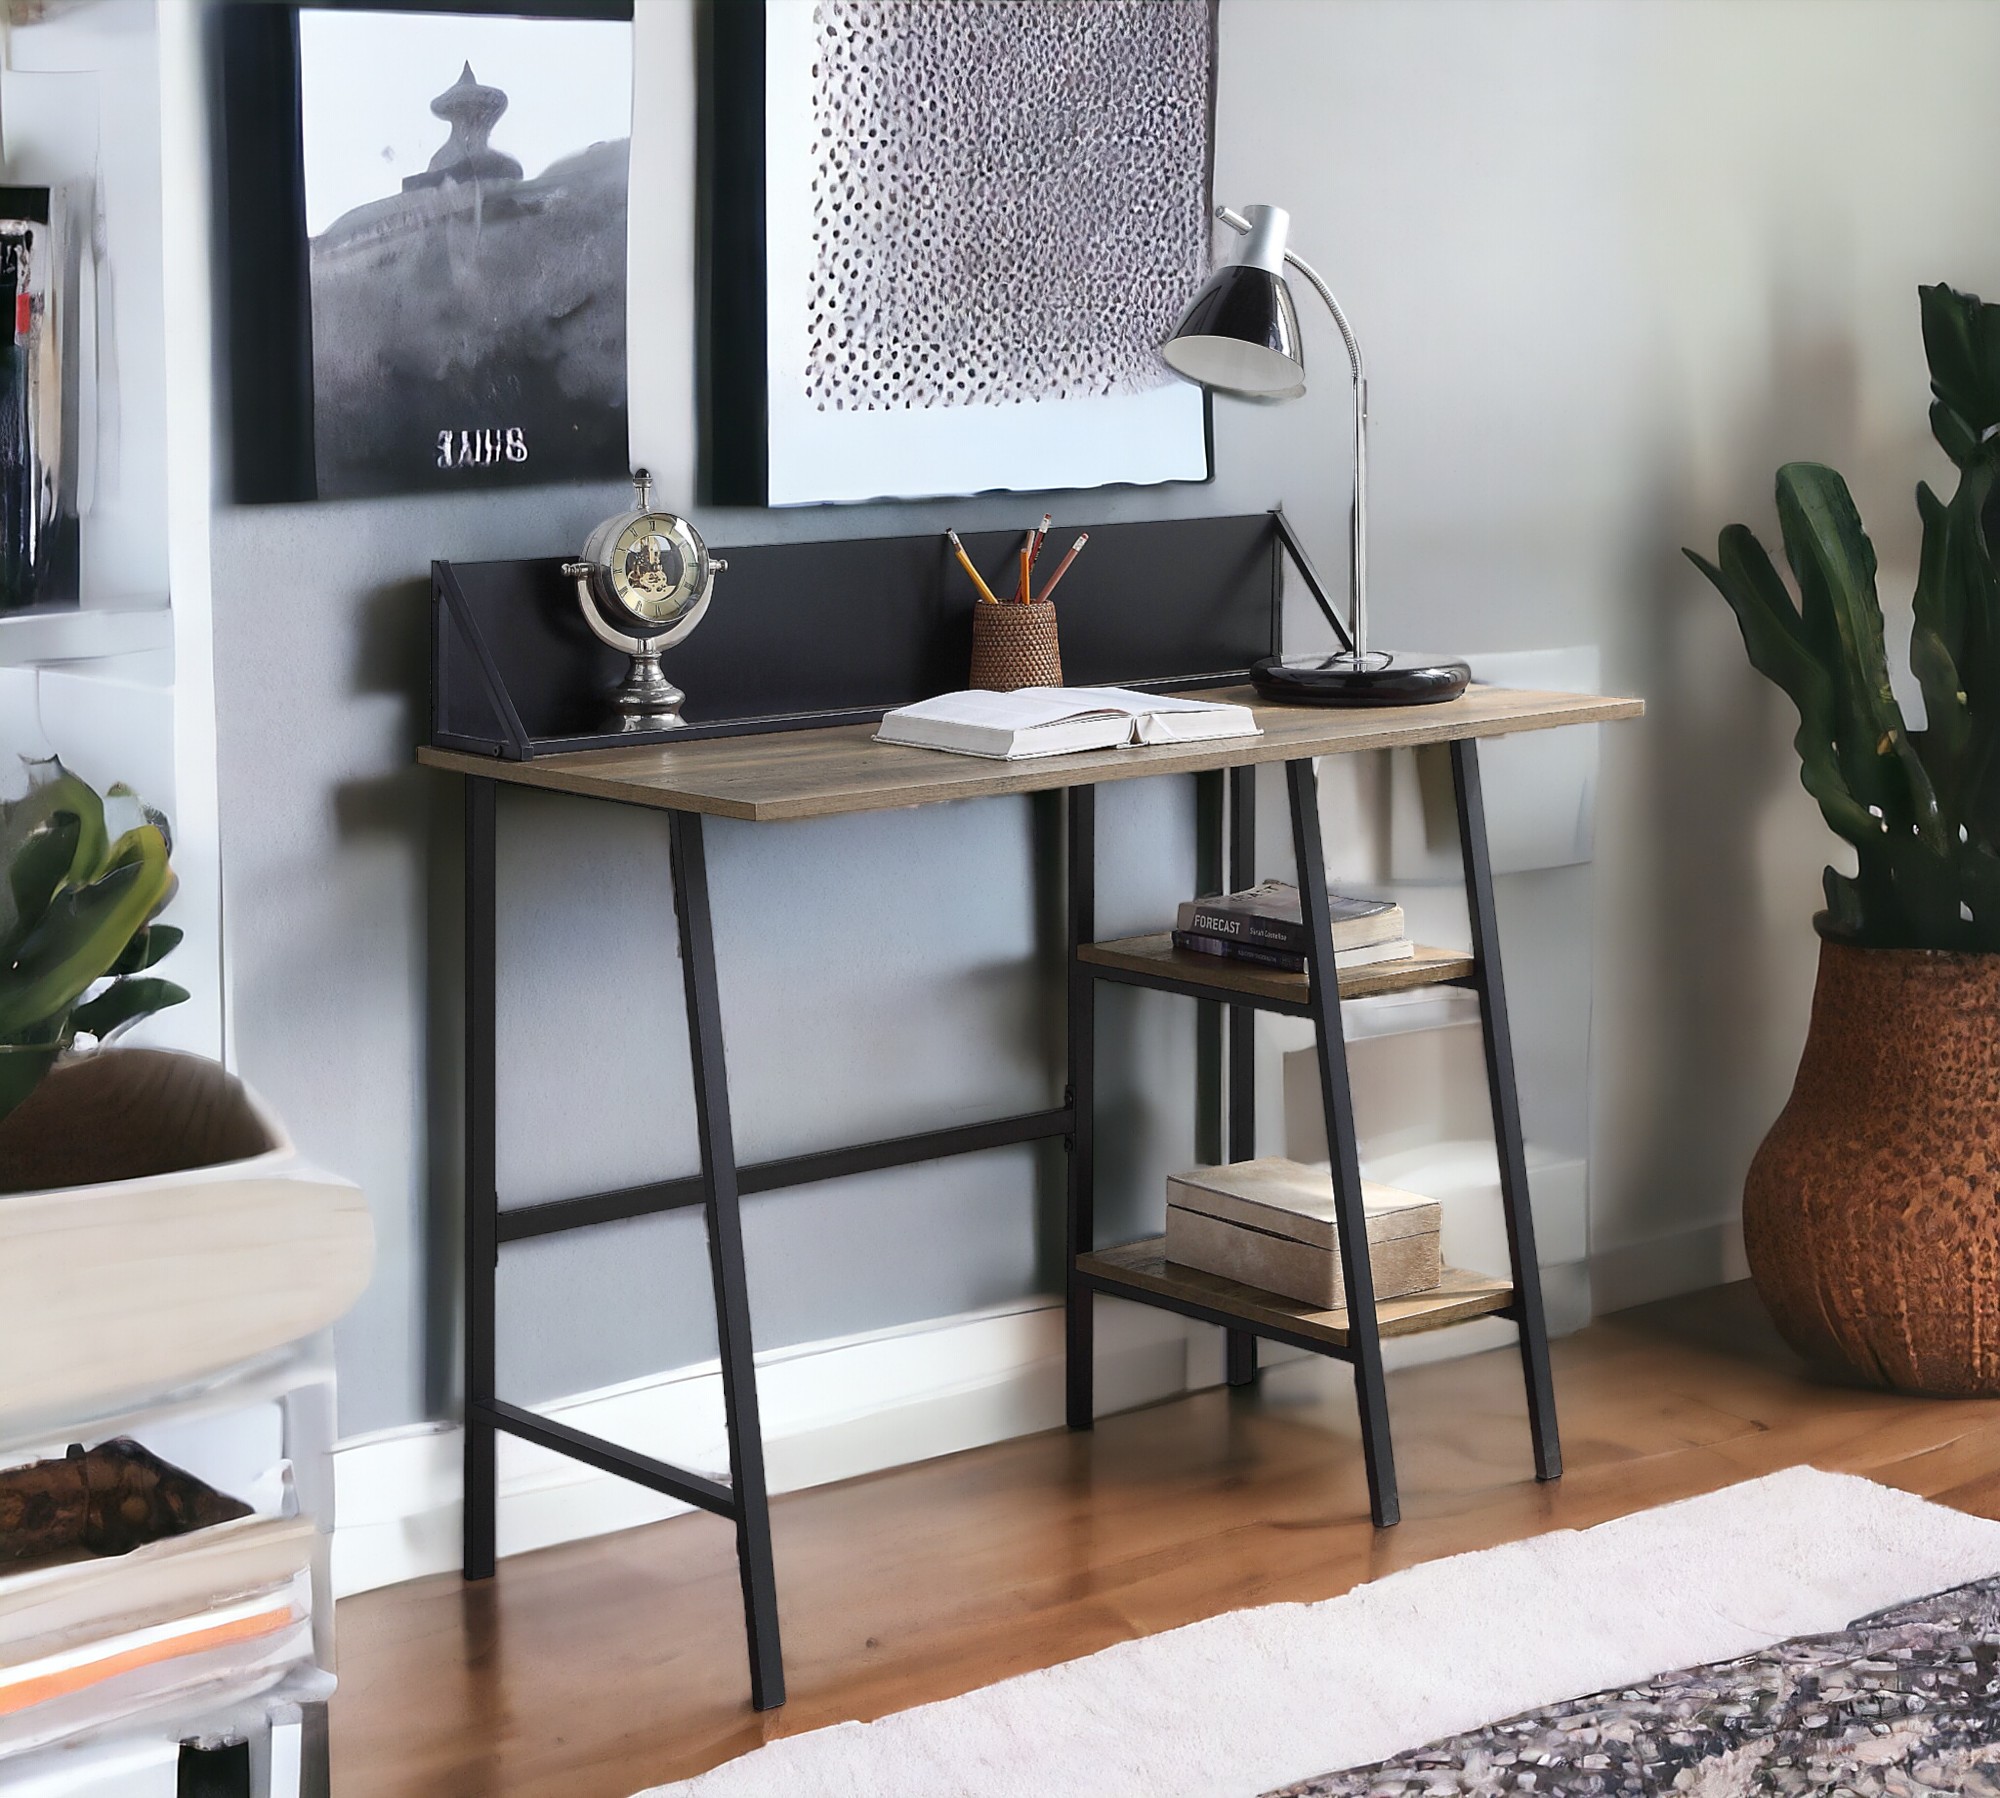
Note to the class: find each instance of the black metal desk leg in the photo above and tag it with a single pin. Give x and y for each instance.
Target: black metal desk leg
(1524, 1268)
(725, 1259)
(1242, 1357)
(1239, 1346)
(481, 1189)
(1208, 792)
(1081, 1238)
(1350, 1221)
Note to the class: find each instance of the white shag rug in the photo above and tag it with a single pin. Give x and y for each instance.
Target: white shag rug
(1237, 1704)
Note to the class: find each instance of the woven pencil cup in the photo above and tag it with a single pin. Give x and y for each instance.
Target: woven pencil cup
(1015, 646)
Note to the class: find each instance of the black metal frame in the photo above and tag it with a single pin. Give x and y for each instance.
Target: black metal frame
(1498, 1039)
(718, 1189)
(720, 1185)
(1363, 1349)
(1160, 604)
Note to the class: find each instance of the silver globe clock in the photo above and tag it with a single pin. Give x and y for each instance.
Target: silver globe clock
(643, 582)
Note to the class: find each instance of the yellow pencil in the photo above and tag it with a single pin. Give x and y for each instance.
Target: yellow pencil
(965, 562)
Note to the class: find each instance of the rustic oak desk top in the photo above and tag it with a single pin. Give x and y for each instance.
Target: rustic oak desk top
(841, 768)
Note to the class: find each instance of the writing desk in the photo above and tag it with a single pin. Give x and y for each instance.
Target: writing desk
(826, 772)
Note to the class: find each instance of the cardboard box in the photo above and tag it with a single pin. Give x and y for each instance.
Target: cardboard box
(1269, 1223)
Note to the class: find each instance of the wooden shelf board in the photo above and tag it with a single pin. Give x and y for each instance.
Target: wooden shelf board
(1156, 955)
(1144, 1267)
(834, 769)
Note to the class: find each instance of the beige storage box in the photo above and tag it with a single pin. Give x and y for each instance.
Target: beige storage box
(1269, 1223)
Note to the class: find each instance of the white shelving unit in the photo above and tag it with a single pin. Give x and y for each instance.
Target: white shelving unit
(284, 1718)
(114, 95)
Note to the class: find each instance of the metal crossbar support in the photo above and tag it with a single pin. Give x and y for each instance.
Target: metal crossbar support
(725, 1258)
(1523, 1267)
(1349, 1218)
(519, 1222)
(610, 1457)
(482, 1197)
(1081, 928)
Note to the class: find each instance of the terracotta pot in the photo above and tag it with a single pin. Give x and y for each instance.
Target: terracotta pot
(1872, 1211)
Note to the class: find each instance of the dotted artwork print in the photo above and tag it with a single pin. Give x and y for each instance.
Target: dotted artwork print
(1010, 197)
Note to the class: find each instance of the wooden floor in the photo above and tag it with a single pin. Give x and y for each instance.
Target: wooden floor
(596, 1669)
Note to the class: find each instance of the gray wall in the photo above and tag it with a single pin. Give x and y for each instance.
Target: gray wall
(1610, 263)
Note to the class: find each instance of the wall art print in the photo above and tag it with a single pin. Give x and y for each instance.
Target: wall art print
(452, 312)
(978, 220)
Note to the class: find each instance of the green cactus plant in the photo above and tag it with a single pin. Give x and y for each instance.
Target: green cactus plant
(76, 924)
(1922, 808)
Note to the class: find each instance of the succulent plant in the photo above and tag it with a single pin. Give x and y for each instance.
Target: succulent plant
(1922, 807)
(76, 923)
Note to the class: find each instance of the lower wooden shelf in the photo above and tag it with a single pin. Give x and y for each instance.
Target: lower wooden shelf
(1143, 1268)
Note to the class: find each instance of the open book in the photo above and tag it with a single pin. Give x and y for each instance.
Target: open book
(1034, 721)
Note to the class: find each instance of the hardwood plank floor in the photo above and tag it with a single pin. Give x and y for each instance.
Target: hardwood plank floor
(595, 1669)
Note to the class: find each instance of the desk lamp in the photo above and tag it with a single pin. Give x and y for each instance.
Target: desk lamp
(1240, 335)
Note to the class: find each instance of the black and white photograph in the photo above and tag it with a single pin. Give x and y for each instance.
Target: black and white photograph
(465, 196)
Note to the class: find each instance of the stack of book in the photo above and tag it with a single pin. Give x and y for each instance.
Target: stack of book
(1264, 924)
(89, 1643)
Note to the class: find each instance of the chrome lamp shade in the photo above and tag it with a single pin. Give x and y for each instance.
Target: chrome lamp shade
(1240, 335)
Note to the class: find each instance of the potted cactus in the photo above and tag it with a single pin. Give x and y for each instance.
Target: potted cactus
(1871, 1214)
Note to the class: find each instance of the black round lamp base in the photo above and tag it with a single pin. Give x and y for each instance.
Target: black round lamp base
(1341, 680)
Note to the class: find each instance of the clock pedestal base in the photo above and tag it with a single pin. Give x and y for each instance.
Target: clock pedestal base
(648, 700)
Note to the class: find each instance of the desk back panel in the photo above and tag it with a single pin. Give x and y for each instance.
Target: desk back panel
(804, 634)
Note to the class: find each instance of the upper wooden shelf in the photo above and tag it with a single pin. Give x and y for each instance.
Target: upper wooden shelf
(821, 773)
(1143, 1268)
(1154, 960)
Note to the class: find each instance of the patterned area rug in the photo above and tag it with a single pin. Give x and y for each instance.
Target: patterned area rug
(1752, 1587)
(1904, 1702)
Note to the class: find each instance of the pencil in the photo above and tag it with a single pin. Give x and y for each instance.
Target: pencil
(1036, 538)
(965, 562)
(1027, 562)
(1062, 567)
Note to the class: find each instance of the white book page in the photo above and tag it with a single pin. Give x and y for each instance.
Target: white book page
(1026, 708)
(1126, 699)
(1025, 721)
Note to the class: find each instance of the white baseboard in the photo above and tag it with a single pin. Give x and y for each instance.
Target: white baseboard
(831, 1411)
(1689, 1260)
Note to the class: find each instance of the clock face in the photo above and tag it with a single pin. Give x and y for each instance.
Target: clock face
(649, 572)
